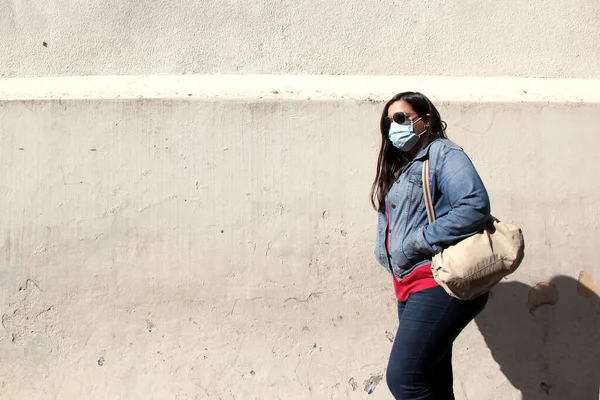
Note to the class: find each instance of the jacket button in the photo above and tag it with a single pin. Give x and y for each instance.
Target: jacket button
(393, 206)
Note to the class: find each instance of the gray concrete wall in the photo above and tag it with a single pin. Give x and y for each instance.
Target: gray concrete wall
(161, 244)
(551, 39)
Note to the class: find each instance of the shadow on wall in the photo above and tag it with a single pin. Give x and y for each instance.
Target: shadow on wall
(546, 338)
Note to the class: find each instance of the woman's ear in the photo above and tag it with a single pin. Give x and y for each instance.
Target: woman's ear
(427, 119)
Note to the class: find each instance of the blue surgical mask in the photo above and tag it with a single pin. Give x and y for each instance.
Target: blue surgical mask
(403, 136)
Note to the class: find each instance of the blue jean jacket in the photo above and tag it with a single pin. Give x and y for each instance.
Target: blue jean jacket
(461, 204)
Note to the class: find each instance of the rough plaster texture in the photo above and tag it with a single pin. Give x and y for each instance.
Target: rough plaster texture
(550, 39)
(173, 247)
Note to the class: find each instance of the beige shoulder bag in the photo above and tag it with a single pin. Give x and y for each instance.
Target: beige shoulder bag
(474, 265)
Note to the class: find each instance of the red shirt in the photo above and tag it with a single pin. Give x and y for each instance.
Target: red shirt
(419, 280)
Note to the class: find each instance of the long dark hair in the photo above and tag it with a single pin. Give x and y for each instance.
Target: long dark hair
(391, 161)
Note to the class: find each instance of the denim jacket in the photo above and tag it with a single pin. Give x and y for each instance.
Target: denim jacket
(461, 204)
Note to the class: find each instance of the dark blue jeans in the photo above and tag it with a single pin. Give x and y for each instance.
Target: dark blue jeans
(420, 366)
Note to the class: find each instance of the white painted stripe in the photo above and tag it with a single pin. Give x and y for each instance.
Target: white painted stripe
(377, 88)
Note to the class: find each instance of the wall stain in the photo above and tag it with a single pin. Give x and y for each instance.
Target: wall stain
(390, 336)
(353, 384)
(585, 285)
(543, 293)
(372, 382)
(312, 295)
(545, 387)
(150, 325)
(31, 315)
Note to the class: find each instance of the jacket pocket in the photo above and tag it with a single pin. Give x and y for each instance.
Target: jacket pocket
(416, 218)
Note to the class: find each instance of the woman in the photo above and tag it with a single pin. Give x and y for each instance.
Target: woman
(420, 365)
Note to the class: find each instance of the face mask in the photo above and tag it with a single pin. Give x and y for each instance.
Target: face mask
(403, 136)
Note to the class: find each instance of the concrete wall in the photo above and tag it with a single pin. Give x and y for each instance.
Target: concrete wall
(551, 39)
(160, 241)
(210, 237)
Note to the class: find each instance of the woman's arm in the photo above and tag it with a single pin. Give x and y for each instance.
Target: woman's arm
(461, 185)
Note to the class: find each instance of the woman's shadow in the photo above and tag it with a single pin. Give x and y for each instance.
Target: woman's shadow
(546, 338)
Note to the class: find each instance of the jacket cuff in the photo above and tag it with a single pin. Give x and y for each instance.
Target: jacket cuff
(423, 244)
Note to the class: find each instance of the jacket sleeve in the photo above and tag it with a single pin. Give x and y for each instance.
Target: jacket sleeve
(460, 183)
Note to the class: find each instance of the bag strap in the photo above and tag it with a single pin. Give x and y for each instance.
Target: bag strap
(427, 191)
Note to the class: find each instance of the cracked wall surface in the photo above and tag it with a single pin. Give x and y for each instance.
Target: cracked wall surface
(206, 248)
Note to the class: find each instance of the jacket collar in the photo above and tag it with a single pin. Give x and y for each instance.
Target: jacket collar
(422, 154)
